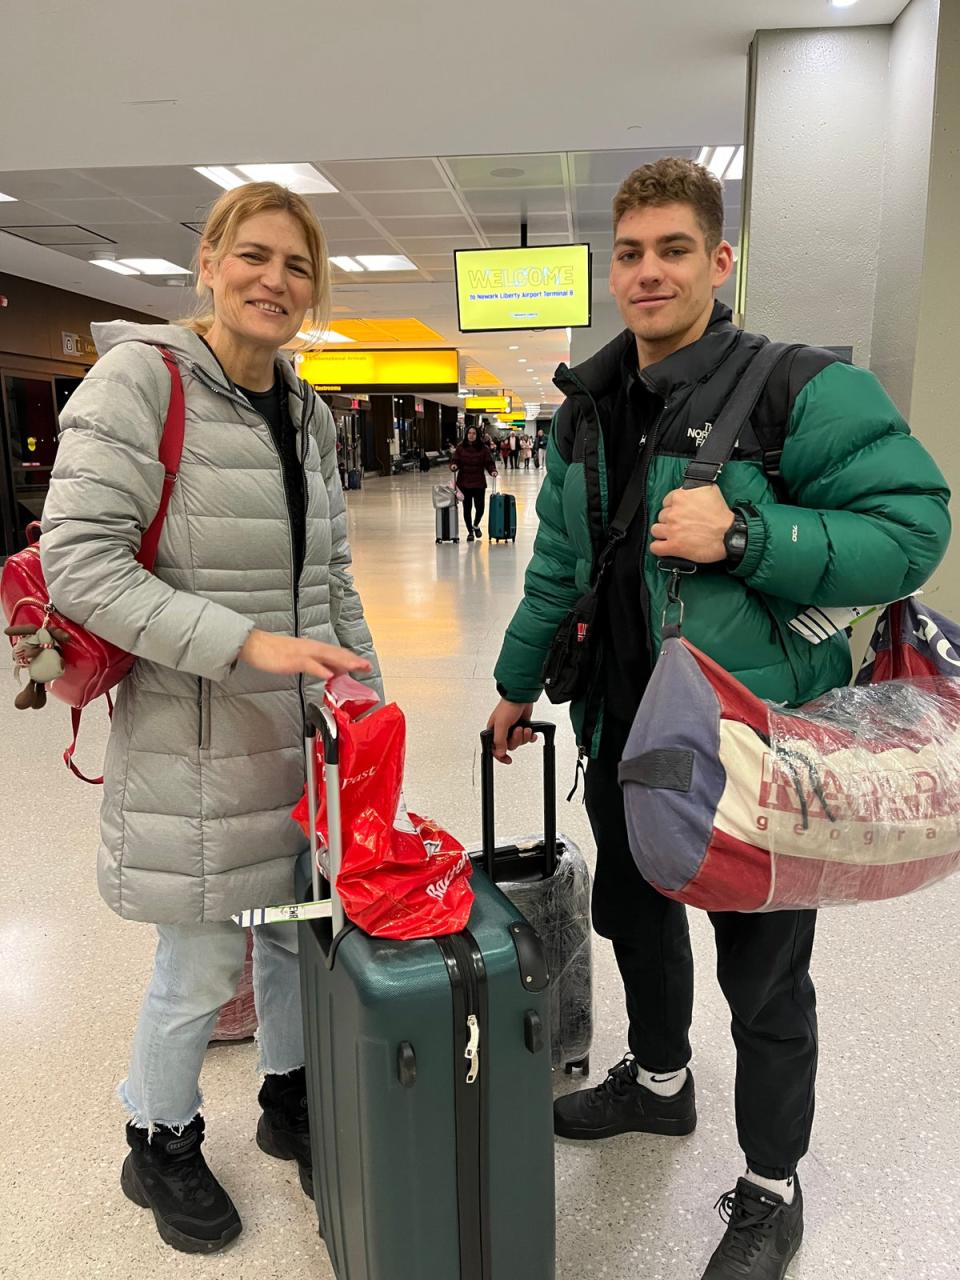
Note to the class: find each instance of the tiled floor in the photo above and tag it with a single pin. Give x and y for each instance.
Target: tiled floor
(882, 1181)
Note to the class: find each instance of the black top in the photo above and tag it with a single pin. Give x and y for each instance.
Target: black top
(272, 405)
(626, 656)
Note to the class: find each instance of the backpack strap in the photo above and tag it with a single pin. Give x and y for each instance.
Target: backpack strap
(170, 453)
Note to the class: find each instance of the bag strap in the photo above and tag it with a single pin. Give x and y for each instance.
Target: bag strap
(170, 453)
(714, 454)
(76, 714)
(623, 517)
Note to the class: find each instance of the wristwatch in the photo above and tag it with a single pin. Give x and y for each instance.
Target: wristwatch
(735, 539)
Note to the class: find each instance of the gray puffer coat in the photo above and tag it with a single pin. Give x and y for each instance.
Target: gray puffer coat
(205, 758)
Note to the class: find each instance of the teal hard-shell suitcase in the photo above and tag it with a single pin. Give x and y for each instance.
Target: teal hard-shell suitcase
(429, 1090)
(502, 521)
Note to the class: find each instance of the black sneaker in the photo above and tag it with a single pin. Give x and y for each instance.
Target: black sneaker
(763, 1233)
(622, 1105)
(169, 1175)
(283, 1130)
(470, 537)
(478, 531)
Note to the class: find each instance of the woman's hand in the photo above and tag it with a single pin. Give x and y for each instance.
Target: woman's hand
(297, 655)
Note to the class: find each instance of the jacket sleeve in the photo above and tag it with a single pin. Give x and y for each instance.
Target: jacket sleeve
(867, 521)
(346, 610)
(104, 492)
(549, 593)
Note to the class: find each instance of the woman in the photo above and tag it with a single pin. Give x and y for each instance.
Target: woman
(250, 609)
(526, 451)
(473, 462)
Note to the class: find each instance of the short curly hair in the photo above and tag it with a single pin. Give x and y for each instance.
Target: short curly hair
(675, 181)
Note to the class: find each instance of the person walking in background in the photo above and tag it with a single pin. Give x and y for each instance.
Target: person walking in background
(539, 447)
(473, 462)
(526, 451)
(505, 451)
(514, 450)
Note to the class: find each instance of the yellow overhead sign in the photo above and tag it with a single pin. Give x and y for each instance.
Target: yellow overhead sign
(540, 287)
(488, 404)
(394, 370)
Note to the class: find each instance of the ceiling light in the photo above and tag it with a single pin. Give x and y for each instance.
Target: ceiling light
(155, 267)
(522, 360)
(843, 4)
(346, 264)
(303, 178)
(13, 199)
(221, 175)
(111, 264)
(385, 262)
(717, 159)
(507, 172)
(514, 348)
(735, 171)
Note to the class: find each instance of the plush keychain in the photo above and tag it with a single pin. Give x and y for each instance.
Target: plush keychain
(38, 651)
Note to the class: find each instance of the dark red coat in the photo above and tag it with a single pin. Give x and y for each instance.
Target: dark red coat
(472, 466)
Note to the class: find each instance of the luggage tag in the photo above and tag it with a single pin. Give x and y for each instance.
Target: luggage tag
(292, 913)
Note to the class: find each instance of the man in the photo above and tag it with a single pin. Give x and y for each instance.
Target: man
(827, 500)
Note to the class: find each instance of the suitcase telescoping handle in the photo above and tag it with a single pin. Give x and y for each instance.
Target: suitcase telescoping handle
(548, 732)
(322, 720)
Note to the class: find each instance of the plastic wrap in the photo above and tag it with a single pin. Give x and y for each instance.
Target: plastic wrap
(445, 495)
(559, 910)
(734, 804)
(238, 1017)
(861, 793)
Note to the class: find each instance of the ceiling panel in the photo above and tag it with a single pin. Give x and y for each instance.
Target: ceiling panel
(353, 228)
(534, 199)
(409, 203)
(330, 206)
(53, 184)
(61, 234)
(402, 228)
(383, 175)
(593, 223)
(500, 224)
(595, 199)
(604, 167)
(435, 261)
(152, 180)
(108, 209)
(15, 213)
(350, 247)
(179, 208)
(416, 246)
(476, 172)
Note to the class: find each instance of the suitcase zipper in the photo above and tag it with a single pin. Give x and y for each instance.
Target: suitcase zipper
(467, 973)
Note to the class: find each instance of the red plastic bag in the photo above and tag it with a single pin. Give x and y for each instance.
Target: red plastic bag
(402, 876)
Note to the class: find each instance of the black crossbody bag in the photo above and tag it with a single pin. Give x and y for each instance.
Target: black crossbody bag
(572, 656)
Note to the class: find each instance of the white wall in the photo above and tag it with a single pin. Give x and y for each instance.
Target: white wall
(815, 151)
(910, 95)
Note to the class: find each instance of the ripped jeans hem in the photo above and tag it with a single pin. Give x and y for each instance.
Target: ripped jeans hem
(140, 1121)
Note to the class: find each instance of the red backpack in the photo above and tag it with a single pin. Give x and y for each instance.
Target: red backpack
(93, 666)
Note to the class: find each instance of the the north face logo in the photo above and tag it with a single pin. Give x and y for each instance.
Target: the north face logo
(700, 433)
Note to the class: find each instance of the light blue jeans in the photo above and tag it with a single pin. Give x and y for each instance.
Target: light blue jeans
(196, 971)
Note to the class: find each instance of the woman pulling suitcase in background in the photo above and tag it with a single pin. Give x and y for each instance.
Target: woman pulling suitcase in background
(250, 609)
(473, 462)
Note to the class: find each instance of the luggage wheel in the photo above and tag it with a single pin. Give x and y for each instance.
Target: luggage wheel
(581, 1067)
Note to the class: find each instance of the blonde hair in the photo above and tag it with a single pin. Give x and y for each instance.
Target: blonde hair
(220, 235)
(675, 181)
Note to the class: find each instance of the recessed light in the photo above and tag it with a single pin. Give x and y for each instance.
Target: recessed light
(155, 267)
(322, 335)
(110, 264)
(302, 178)
(514, 348)
(843, 4)
(221, 175)
(346, 264)
(385, 262)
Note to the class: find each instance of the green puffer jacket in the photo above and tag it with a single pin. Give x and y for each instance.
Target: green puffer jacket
(857, 515)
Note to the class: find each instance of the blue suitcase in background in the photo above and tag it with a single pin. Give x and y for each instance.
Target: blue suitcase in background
(429, 1088)
(502, 522)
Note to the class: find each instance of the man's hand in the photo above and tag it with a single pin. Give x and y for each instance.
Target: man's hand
(296, 655)
(505, 716)
(692, 524)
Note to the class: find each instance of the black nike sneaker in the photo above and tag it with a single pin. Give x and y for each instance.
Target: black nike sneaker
(622, 1105)
(763, 1233)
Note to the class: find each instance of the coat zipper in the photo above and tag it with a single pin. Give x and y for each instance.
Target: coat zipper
(236, 399)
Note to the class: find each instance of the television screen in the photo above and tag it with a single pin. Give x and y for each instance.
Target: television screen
(541, 287)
